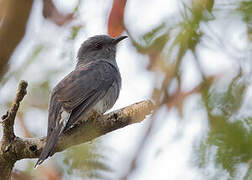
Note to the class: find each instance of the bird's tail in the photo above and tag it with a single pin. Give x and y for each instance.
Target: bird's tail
(51, 141)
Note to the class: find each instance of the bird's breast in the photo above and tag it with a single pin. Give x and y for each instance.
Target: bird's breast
(107, 101)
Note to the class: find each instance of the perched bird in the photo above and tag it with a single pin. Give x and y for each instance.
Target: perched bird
(93, 86)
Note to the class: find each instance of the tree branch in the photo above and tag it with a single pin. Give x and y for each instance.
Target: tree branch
(14, 148)
(9, 118)
(6, 156)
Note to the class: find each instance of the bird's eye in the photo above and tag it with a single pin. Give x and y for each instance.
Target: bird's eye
(98, 46)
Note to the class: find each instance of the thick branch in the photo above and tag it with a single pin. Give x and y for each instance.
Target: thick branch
(14, 148)
(31, 147)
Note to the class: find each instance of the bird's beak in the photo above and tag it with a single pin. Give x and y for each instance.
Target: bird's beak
(118, 39)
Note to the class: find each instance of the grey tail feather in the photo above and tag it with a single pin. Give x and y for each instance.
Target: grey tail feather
(51, 141)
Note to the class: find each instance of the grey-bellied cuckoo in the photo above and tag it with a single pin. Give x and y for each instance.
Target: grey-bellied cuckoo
(93, 85)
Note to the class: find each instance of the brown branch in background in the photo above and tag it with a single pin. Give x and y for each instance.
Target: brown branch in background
(178, 98)
(51, 12)
(14, 148)
(156, 95)
(13, 17)
(116, 16)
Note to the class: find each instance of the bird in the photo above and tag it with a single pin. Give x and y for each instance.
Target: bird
(92, 87)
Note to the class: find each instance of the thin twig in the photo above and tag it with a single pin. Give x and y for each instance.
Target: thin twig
(9, 118)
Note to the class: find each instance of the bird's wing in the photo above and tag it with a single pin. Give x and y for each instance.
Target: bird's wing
(81, 90)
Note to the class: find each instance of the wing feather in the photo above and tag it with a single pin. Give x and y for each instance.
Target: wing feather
(81, 90)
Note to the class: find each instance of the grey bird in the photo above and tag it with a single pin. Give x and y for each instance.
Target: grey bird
(93, 86)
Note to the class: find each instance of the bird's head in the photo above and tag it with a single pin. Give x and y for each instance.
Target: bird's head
(98, 47)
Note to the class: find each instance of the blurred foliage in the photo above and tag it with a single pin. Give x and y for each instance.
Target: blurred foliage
(88, 162)
(232, 138)
(245, 8)
(74, 32)
(230, 135)
(229, 101)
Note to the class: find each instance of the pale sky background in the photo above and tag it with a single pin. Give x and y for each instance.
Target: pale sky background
(168, 154)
